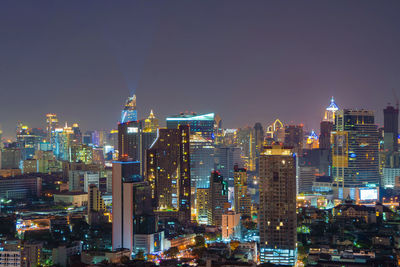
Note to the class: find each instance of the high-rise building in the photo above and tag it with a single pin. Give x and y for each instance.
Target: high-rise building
(133, 142)
(218, 198)
(151, 123)
(355, 161)
(204, 124)
(259, 136)
(390, 137)
(202, 198)
(52, 124)
(168, 171)
(330, 112)
(277, 213)
(225, 160)
(129, 112)
(96, 205)
(242, 199)
(294, 137)
(325, 134)
(122, 210)
(231, 226)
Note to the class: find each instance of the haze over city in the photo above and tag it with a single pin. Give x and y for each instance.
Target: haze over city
(268, 59)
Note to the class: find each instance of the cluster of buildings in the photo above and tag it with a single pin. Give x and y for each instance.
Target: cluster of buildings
(157, 188)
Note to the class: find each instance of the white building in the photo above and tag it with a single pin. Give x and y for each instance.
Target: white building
(90, 178)
(389, 177)
(231, 225)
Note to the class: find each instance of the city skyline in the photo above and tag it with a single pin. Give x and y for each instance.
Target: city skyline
(85, 66)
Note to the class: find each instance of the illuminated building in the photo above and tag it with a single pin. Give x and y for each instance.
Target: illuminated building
(203, 124)
(77, 135)
(245, 139)
(311, 141)
(202, 198)
(202, 156)
(294, 137)
(391, 178)
(225, 160)
(28, 142)
(242, 200)
(133, 142)
(355, 161)
(168, 171)
(231, 226)
(326, 125)
(52, 124)
(330, 112)
(129, 112)
(151, 123)
(276, 131)
(11, 258)
(96, 206)
(29, 166)
(277, 212)
(90, 178)
(80, 153)
(306, 178)
(218, 198)
(259, 136)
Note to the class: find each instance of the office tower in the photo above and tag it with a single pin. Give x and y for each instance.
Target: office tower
(133, 142)
(355, 161)
(27, 142)
(390, 135)
(294, 137)
(330, 112)
(218, 198)
(242, 200)
(259, 136)
(77, 134)
(225, 160)
(10, 158)
(80, 153)
(325, 134)
(90, 178)
(391, 128)
(246, 141)
(306, 177)
(76, 180)
(151, 123)
(202, 197)
(204, 124)
(202, 157)
(277, 213)
(168, 171)
(122, 227)
(96, 206)
(51, 125)
(231, 226)
(129, 112)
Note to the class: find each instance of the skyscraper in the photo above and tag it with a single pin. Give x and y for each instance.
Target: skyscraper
(355, 161)
(151, 123)
(204, 124)
(52, 124)
(242, 202)
(294, 137)
(326, 125)
(122, 210)
(218, 199)
(168, 171)
(129, 112)
(390, 135)
(277, 213)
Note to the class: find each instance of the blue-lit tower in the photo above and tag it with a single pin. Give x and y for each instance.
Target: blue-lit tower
(129, 113)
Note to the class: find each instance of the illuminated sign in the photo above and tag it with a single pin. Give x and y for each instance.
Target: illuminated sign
(368, 193)
(132, 130)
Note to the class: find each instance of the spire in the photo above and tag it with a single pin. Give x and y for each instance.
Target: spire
(332, 107)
